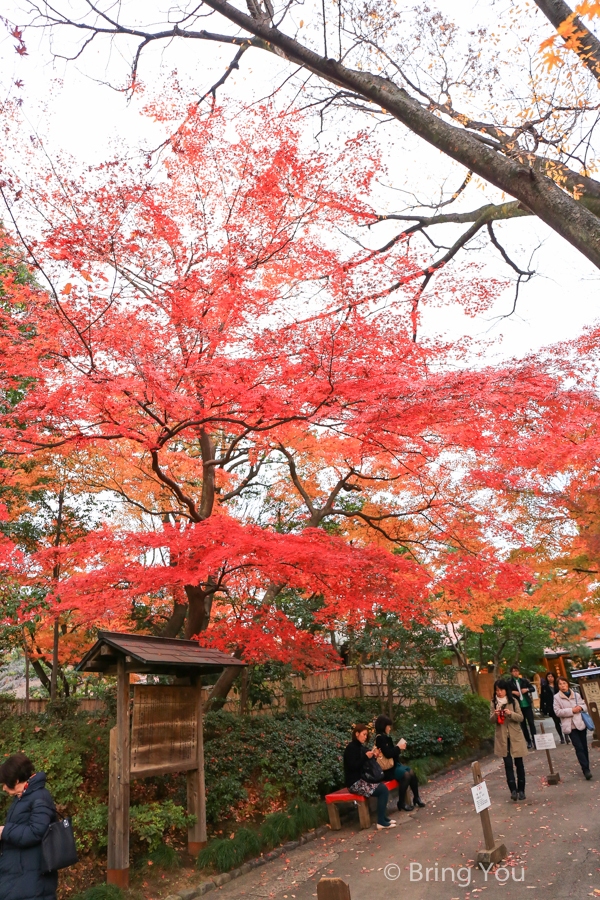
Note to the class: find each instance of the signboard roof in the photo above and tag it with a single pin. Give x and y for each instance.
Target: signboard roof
(153, 655)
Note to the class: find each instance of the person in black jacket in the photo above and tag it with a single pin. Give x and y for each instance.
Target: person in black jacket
(548, 689)
(523, 692)
(355, 761)
(29, 816)
(405, 776)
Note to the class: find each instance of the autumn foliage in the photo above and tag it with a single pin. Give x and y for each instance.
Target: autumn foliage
(246, 396)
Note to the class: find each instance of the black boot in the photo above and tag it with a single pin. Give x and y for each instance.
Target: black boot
(419, 802)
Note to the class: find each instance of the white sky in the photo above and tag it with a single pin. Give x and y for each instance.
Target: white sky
(86, 119)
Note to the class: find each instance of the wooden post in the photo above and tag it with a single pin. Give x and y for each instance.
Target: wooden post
(553, 777)
(118, 786)
(26, 671)
(196, 795)
(342, 682)
(361, 690)
(494, 850)
(333, 889)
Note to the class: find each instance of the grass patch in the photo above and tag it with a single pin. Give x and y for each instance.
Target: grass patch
(101, 892)
(225, 854)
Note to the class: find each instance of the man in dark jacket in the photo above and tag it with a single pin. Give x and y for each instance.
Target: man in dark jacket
(29, 816)
(523, 692)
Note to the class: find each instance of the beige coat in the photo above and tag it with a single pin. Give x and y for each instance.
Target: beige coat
(510, 728)
(563, 707)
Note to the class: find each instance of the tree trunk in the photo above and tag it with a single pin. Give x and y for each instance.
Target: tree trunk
(54, 676)
(244, 693)
(199, 609)
(26, 671)
(39, 670)
(55, 578)
(218, 695)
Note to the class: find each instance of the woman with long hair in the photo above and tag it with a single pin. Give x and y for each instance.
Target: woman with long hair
(509, 742)
(391, 752)
(355, 766)
(549, 687)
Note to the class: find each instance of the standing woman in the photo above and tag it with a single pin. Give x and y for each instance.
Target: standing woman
(355, 762)
(509, 741)
(549, 689)
(405, 776)
(568, 706)
(29, 815)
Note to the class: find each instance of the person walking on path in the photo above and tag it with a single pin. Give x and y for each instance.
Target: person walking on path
(28, 818)
(356, 756)
(568, 705)
(523, 690)
(509, 741)
(548, 690)
(404, 775)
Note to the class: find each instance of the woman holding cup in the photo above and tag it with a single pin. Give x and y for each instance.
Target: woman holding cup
(509, 742)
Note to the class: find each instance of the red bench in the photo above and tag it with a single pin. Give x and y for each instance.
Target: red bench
(344, 796)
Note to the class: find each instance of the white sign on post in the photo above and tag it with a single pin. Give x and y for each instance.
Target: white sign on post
(481, 798)
(544, 742)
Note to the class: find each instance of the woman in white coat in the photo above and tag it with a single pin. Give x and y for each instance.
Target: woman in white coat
(568, 706)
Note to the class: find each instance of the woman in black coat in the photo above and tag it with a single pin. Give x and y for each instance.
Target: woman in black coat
(548, 689)
(29, 815)
(355, 762)
(404, 775)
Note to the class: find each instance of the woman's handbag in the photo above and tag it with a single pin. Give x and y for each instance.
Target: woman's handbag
(372, 771)
(58, 846)
(385, 762)
(589, 722)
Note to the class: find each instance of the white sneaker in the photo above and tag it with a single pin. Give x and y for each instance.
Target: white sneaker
(385, 827)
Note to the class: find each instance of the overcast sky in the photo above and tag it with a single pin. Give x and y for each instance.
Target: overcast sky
(79, 114)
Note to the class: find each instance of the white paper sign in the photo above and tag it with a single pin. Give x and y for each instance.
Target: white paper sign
(544, 742)
(481, 798)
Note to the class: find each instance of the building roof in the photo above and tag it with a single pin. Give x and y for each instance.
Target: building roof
(583, 673)
(153, 655)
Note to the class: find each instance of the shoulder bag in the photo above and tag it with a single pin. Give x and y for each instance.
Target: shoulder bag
(58, 846)
(372, 771)
(587, 719)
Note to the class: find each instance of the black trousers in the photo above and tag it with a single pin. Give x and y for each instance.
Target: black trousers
(579, 741)
(510, 773)
(528, 721)
(408, 780)
(556, 721)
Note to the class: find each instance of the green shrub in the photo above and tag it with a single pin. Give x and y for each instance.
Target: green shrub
(90, 826)
(165, 858)
(151, 821)
(223, 855)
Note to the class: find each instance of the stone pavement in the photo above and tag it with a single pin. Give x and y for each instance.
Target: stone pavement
(552, 839)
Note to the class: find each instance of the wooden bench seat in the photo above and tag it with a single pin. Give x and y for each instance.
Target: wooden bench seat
(344, 796)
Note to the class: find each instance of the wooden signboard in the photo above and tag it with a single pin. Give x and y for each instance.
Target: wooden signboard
(591, 694)
(164, 733)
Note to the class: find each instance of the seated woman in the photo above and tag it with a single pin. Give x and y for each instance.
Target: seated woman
(405, 776)
(355, 759)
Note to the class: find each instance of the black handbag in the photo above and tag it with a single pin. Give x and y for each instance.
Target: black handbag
(372, 771)
(58, 846)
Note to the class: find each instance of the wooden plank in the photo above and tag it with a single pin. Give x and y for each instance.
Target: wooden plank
(118, 798)
(494, 850)
(334, 817)
(164, 769)
(364, 814)
(164, 731)
(333, 889)
(196, 793)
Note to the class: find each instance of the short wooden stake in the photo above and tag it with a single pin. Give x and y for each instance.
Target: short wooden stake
(494, 850)
(333, 889)
(553, 777)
